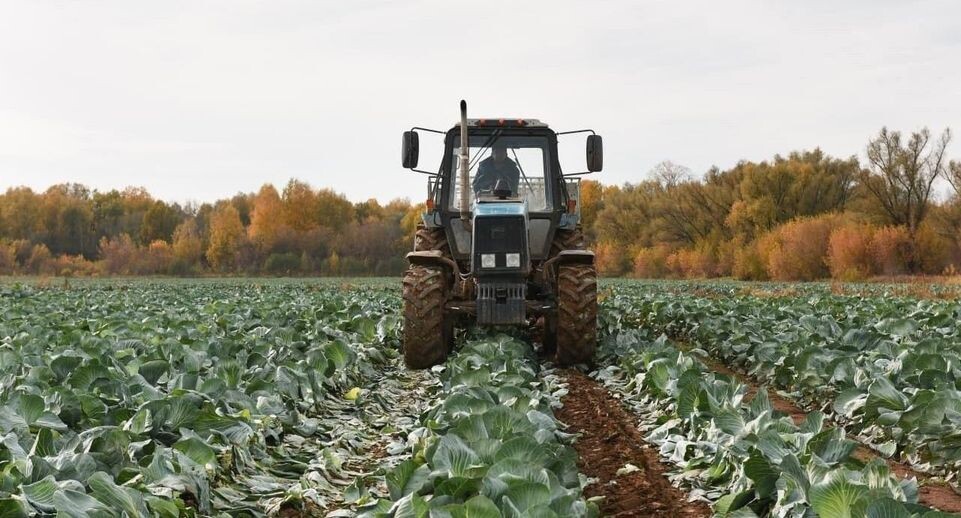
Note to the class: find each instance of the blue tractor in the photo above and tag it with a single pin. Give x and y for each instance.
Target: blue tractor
(500, 242)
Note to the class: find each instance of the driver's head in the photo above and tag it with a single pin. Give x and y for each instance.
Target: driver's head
(499, 152)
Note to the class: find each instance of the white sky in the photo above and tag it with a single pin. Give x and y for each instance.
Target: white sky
(198, 100)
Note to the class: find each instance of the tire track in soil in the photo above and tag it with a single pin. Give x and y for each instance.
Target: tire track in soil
(609, 439)
(931, 492)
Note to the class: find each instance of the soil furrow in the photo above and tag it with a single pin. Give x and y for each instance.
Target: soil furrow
(608, 442)
(931, 492)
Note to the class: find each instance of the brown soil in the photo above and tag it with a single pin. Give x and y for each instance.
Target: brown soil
(608, 441)
(931, 493)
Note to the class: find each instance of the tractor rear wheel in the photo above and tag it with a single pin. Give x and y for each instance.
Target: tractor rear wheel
(565, 239)
(428, 332)
(576, 314)
(426, 238)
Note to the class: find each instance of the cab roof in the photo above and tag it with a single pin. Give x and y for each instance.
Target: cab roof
(504, 122)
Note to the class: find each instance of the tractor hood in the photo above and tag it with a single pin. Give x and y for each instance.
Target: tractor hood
(500, 240)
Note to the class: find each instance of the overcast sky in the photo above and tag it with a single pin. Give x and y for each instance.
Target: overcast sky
(199, 100)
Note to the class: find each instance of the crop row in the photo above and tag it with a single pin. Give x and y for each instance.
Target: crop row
(739, 453)
(491, 447)
(180, 399)
(888, 369)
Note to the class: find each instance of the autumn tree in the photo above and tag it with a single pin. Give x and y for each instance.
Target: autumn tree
(187, 245)
(626, 217)
(40, 260)
(902, 173)
(65, 220)
(408, 223)
(954, 177)
(333, 210)
(692, 211)
(135, 201)
(300, 205)
(226, 237)
(802, 184)
(372, 241)
(118, 255)
(20, 210)
(8, 258)
(244, 203)
(369, 210)
(157, 258)
(687, 209)
(669, 174)
(267, 218)
(108, 211)
(591, 203)
(159, 222)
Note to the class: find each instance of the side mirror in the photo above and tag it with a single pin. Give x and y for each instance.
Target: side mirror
(595, 153)
(410, 150)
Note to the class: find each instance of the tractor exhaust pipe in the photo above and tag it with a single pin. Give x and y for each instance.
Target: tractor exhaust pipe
(464, 168)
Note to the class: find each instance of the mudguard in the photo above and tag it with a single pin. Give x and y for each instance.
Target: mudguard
(574, 257)
(432, 258)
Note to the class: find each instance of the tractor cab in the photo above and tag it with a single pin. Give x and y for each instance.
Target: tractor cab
(502, 222)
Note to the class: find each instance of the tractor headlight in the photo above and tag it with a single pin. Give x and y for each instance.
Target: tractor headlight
(513, 260)
(487, 261)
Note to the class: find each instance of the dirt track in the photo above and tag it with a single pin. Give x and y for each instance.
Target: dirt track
(609, 440)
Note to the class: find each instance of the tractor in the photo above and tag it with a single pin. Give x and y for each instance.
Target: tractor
(500, 242)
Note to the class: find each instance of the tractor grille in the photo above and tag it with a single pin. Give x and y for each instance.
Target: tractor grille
(501, 303)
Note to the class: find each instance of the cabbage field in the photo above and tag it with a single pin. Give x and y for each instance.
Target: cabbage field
(289, 398)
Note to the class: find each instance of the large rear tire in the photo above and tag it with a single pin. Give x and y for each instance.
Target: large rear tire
(565, 239)
(576, 314)
(428, 332)
(426, 238)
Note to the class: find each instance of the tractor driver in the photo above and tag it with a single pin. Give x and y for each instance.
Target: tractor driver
(496, 167)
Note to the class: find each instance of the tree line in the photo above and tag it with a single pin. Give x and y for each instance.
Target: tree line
(71, 230)
(803, 216)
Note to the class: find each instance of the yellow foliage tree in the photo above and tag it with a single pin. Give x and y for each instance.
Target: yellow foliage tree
(300, 206)
(187, 246)
(226, 236)
(267, 218)
(592, 195)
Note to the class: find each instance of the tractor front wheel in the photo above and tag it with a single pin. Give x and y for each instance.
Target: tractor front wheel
(576, 314)
(428, 333)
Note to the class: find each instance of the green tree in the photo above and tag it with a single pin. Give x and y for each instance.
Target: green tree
(333, 210)
(66, 219)
(136, 201)
(159, 222)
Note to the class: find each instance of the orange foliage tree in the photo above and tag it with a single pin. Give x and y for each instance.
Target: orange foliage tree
(651, 262)
(226, 237)
(266, 218)
(796, 251)
(849, 252)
